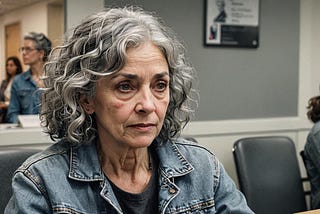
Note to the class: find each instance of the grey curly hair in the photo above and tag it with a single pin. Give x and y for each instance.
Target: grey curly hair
(96, 48)
(41, 43)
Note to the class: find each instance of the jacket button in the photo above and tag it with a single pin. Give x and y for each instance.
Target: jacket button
(172, 191)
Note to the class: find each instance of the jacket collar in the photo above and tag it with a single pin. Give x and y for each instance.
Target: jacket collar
(172, 161)
(85, 165)
(27, 74)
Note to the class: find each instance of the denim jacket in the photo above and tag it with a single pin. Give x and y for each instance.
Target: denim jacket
(312, 153)
(25, 97)
(65, 179)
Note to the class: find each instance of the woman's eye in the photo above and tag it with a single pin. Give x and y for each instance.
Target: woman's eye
(124, 87)
(161, 86)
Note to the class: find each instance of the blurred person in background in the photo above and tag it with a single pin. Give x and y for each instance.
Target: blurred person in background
(25, 96)
(13, 68)
(312, 151)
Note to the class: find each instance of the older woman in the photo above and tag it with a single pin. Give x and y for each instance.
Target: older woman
(25, 96)
(118, 92)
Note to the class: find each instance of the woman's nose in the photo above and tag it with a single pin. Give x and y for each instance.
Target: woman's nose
(145, 101)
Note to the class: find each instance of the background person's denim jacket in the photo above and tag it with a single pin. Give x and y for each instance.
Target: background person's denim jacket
(312, 153)
(70, 180)
(25, 97)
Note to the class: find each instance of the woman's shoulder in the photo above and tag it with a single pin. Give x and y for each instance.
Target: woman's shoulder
(315, 130)
(4, 83)
(19, 79)
(191, 145)
(22, 76)
(193, 151)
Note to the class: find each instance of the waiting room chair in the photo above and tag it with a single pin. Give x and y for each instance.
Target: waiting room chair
(306, 179)
(10, 159)
(269, 174)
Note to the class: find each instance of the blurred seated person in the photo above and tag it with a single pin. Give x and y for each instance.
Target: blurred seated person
(312, 151)
(117, 94)
(25, 93)
(13, 67)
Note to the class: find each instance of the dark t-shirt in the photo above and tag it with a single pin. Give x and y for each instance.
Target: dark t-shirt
(145, 202)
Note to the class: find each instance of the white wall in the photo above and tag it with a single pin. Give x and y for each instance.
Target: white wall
(76, 10)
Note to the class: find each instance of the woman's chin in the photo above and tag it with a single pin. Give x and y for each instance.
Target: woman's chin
(141, 141)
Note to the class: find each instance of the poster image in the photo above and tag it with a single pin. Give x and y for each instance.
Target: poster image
(232, 23)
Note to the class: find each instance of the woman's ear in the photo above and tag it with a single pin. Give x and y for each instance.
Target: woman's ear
(41, 54)
(87, 104)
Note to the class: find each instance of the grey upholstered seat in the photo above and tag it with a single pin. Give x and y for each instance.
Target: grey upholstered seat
(269, 174)
(10, 159)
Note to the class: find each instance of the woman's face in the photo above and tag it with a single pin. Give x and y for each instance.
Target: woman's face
(30, 54)
(130, 106)
(11, 68)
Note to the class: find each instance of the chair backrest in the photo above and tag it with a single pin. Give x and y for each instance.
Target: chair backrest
(304, 160)
(269, 174)
(10, 159)
(306, 180)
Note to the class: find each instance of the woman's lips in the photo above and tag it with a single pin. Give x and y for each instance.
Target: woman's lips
(143, 126)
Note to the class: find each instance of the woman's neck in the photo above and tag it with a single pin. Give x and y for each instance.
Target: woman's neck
(37, 73)
(37, 69)
(129, 169)
(127, 160)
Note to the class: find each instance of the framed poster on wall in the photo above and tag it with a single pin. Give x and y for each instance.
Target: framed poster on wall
(233, 23)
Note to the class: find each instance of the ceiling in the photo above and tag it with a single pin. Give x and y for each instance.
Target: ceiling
(9, 5)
